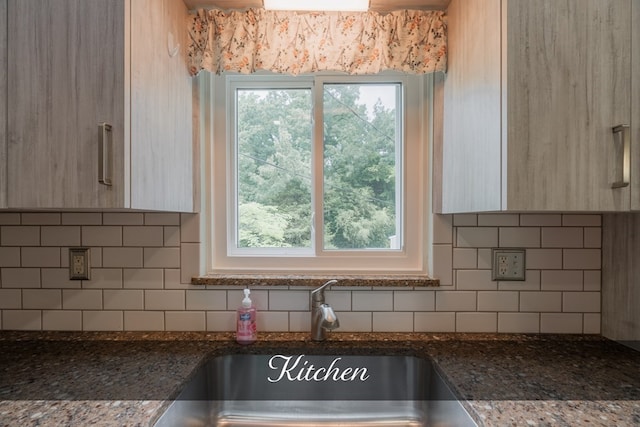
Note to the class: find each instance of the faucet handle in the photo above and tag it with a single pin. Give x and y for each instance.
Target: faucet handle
(317, 295)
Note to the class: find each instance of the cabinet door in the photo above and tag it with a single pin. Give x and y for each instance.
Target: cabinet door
(635, 106)
(567, 85)
(3, 104)
(65, 73)
(162, 164)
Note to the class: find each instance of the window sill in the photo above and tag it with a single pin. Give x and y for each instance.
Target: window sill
(314, 281)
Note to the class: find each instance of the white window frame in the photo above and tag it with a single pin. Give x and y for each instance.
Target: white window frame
(215, 95)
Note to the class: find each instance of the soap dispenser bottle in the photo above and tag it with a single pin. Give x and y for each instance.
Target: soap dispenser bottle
(246, 328)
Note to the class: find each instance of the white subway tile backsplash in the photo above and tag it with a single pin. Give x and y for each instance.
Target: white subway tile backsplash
(393, 321)
(540, 259)
(171, 236)
(190, 228)
(123, 299)
(272, 321)
(19, 235)
(41, 218)
(162, 257)
(562, 280)
(442, 229)
(185, 321)
(560, 323)
(519, 323)
(477, 237)
(206, 300)
(498, 301)
(102, 321)
(62, 320)
(23, 320)
(20, 277)
(562, 237)
(9, 218)
(164, 300)
(161, 218)
(9, 257)
(581, 220)
(122, 257)
(541, 301)
(498, 220)
(475, 280)
(519, 237)
(418, 300)
(101, 235)
(62, 235)
(40, 257)
(435, 322)
(81, 218)
(581, 302)
(476, 322)
(585, 259)
(465, 258)
(122, 218)
(10, 299)
(372, 301)
(455, 301)
(142, 236)
(104, 278)
(443, 264)
(591, 323)
(540, 220)
(82, 299)
(142, 264)
(221, 321)
(144, 321)
(42, 299)
(465, 220)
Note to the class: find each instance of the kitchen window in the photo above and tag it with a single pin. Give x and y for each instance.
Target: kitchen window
(322, 173)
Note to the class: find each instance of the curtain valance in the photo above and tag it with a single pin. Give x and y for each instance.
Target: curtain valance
(412, 41)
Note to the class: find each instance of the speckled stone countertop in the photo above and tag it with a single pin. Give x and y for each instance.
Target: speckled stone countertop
(313, 281)
(127, 379)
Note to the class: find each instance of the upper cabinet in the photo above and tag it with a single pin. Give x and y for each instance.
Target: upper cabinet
(100, 105)
(532, 95)
(3, 104)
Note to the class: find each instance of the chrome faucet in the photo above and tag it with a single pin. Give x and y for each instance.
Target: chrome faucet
(323, 318)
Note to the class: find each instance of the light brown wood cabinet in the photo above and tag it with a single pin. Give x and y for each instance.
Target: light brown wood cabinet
(532, 93)
(3, 104)
(75, 64)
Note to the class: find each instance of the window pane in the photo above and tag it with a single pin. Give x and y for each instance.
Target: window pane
(361, 147)
(274, 136)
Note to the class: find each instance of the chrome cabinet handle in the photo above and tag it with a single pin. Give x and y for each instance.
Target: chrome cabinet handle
(623, 175)
(105, 154)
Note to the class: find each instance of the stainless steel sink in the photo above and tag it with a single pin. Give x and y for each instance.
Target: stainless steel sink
(315, 390)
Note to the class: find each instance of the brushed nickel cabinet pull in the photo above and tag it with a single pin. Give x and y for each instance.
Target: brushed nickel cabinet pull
(623, 175)
(105, 154)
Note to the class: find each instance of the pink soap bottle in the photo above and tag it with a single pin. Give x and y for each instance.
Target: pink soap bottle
(246, 328)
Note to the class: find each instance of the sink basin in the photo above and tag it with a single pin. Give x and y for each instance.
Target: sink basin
(315, 390)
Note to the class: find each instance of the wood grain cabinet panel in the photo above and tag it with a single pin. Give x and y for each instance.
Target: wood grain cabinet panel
(3, 104)
(532, 92)
(73, 64)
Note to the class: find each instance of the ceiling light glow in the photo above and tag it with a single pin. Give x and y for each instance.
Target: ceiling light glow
(336, 5)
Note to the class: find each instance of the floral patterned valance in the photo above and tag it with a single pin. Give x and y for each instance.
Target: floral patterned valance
(412, 41)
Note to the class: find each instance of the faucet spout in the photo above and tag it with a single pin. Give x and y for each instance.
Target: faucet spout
(323, 318)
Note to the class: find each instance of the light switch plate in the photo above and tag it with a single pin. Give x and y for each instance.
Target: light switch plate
(79, 264)
(508, 264)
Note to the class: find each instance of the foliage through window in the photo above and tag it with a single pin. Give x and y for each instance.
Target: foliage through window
(317, 167)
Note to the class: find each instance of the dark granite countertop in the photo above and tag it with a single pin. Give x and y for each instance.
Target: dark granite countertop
(126, 379)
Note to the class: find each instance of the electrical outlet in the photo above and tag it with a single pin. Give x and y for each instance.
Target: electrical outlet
(79, 264)
(508, 264)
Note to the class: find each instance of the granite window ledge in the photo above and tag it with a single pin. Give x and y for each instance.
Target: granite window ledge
(252, 280)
